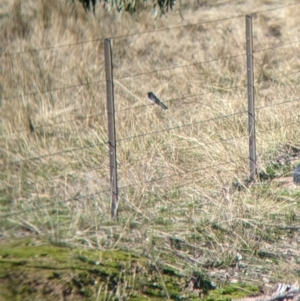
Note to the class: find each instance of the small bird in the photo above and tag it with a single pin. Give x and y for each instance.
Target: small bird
(152, 98)
(296, 175)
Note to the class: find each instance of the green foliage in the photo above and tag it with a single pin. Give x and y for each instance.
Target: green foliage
(132, 6)
(30, 271)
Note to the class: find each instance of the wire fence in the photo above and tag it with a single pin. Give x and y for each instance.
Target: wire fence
(137, 141)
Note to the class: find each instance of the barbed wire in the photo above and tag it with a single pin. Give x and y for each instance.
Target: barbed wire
(184, 97)
(141, 106)
(120, 36)
(100, 168)
(52, 154)
(127, 108)
(275, 8)
(52, 90)
(51, 125)
(180, 66)
(259, 131)
(181, 126)
(50, 47)
(276, 46)
(119, 140)
(118, 78)
(42, 181)
(276, 127)
(116, 37)
(280, 76)
(202, 23)
(203, 62)
(121, 110)
(148, 133)
(205, 144)
(145, 32)
(221, 141)
(177, 27)
(277, 104)
(183, 173)
(131, 107)
(144, 73)
(203, 93)
(102, 81)
(220, 117)
(77, 197)
(141, 74)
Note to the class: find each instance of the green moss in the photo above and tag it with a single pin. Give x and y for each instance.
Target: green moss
(31, 271)
(50, 272)
(233, 291)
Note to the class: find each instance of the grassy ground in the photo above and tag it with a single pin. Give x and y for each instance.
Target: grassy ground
(30, 270)
(185, 201)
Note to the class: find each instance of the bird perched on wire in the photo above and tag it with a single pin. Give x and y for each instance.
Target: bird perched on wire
(296, 175)
(152, 98)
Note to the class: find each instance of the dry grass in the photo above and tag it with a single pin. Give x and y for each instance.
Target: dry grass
(177, 201)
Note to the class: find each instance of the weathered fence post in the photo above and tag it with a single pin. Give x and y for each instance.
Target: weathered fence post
(250, 92)
(111, 128)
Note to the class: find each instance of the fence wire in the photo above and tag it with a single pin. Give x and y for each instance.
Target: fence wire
(181, 66)
(52, 125)
(76, 198)
(276, 46)
(182, 174)
(150, 31)
(180, 126)
(201, 145)
(53, 154)
(79, 197)
(21, 95)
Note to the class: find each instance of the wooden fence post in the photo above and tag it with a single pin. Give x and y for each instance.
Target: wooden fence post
(250, 93)
(111, 129)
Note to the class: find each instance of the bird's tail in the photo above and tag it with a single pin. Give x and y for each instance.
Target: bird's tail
(163, 105)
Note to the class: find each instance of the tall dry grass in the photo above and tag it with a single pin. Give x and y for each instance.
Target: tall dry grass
(183, 194)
